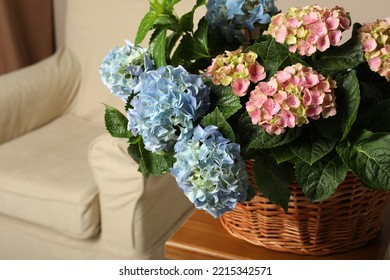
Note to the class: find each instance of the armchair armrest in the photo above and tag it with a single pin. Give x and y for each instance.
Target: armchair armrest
(138, 214)
(35, 95)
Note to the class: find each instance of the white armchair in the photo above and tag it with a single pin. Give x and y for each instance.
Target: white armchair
(67, 189)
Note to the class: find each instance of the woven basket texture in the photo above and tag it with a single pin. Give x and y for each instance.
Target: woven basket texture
(347, 220)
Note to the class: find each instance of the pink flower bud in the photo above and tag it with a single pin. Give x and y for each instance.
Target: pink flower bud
(318, 28)
(312, 39)
(271, 107)
(287, 119)
(374, 63)
(283, 76)
(293, 23)
(255, 115)
(314, 112)
(292, 101)
(369, 44)
(310, 18)
(311, 80)
(345, 22)
(267, 88)
(332, 23)
(240, 86)
(280, 96)
(335, 37)
(281, 34)
(256, 72)
(277, 19)
(323, 43)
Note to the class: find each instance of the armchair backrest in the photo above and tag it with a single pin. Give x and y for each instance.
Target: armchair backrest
(90, 28)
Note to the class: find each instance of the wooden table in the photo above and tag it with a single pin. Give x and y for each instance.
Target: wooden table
(202, 237)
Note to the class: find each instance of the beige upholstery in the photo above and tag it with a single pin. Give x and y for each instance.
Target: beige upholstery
(68, 190)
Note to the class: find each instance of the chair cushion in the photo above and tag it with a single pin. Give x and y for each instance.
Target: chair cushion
(45, 177)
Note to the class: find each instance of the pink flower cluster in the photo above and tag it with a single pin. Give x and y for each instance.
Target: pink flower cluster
(308, 29)
(375, 39)
(236, 69)
(290, 97)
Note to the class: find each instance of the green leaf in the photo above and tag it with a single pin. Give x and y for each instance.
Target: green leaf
(150, 163)
(194, 47)
(320, 180)
(262, 139)
(348, 95)
(157, 164)
(187, 20)
(224, 99)
(347, 106)
(157, 46)
(246, 129)
(274, 55)
(167, 21)
(344, 57)
(283, 153)
(312, 145)
(378, 119)
(174, 2)
(217, 118)
(134, 152)
(171, 43)
(272, 180)
(369, 158)
(116, 123)
(159, 6)
(145, 25)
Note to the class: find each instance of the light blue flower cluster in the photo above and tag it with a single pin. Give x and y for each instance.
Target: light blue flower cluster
(167, 102)
(230, 16)
(121, 67)
(210, 171)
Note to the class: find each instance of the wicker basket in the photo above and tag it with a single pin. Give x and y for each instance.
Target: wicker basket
(347, 220)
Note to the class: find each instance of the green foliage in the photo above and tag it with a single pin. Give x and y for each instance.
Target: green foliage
(368, 156)
(274, 56)
(312, 146)
(150, 163)
(217, 118)
(162, 18)
(116, 123)
(341, 58)
(224, 99)
(320, 180)
(262, 140)
(272, 180)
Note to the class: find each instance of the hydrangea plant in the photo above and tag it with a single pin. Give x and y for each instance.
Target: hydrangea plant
(166, 104)
(210, 171)
(249, 82)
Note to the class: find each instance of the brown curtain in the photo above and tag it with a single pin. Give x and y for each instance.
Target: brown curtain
(26, 32)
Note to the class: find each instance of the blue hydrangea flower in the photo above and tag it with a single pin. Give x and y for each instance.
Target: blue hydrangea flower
(210, 171)
(121, 67)
(234, 8)
(167, 102)
(230, 16)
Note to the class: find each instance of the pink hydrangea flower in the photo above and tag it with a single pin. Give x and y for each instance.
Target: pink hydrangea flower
(290, 98)
(375, 40)
(310, 28)
(236, 69)
(240, 86)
